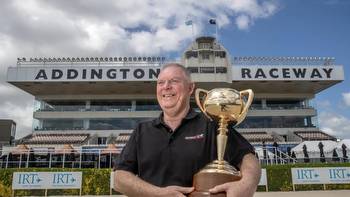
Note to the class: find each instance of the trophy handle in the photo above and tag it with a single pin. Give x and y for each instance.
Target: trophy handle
(198, 101)
(244, 112)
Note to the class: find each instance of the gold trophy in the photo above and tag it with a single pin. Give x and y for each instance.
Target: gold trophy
(223, 105)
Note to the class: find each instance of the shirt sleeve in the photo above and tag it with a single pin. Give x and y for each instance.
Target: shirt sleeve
(127, 159)
(237, 148)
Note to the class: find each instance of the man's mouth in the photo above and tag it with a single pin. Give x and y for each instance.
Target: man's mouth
(168, 95)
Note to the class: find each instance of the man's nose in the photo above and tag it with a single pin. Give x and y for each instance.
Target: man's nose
(167, 84)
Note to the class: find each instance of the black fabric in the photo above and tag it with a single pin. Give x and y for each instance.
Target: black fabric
(163, 157)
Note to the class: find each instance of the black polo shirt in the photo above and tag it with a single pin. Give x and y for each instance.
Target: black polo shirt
(164, 157)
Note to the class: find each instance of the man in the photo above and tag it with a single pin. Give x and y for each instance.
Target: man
(162, 155)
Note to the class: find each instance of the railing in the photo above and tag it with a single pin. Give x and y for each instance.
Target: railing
(82, 108)
(273, 156)
(98, 158)
(279, 107)
(92, 158)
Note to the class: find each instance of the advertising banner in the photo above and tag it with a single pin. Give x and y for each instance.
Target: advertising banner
(321, 175)
(46, 180)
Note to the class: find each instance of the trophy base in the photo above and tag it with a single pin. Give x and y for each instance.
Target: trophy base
(215, 173)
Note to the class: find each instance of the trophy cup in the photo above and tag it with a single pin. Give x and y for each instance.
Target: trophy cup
(223, 105)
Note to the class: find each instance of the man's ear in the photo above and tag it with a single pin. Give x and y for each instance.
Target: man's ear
(192, 87)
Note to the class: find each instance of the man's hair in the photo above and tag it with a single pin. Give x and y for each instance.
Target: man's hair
(183, 68)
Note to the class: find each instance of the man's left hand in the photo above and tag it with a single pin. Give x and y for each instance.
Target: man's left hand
(234, 189)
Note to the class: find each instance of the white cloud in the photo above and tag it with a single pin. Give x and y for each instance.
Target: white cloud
(335, 124)
(242, 22)
(40, 28)
(346, 98)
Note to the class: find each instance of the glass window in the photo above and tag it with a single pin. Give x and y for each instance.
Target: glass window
(207, 69)
(110, 105)
(192, 69)
(221, 70)
(147, 105)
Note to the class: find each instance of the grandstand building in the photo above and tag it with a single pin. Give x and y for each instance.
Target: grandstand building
(95, 101)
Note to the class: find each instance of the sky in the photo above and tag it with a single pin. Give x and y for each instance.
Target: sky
(84, 28)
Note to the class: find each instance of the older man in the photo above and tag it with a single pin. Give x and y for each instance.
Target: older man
(162, 155)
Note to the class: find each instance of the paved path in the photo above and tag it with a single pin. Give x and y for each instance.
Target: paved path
(338, 193)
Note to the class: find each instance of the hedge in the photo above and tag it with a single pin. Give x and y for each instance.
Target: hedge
(96, 181)
(279, 177)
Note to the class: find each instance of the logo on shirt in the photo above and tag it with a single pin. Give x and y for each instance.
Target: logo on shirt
(195, 137)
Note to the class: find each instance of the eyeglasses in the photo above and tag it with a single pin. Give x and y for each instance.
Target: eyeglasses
(173, 81)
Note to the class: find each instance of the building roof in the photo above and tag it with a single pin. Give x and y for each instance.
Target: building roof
(257, 136)
(56, 138)
(313, 135)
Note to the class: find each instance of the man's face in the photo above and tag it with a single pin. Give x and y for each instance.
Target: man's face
(173, 90)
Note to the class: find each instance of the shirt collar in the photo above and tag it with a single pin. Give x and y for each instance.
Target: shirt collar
(190, 115)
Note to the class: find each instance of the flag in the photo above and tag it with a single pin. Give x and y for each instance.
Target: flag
(212, 21)
(188, 22)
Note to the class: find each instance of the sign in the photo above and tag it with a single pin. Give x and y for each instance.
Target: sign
(321, 175)
(65, 180)
(263, 178)
(79, 73)
(30, 180)
(46, 180)
(312, 73)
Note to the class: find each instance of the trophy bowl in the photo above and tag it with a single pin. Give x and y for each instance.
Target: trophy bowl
(224, 105)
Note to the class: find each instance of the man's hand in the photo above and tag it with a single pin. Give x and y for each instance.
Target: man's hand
(246, 187)
(235, 189)
(175, 191)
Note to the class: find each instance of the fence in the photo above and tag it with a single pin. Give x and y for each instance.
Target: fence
(97, 158)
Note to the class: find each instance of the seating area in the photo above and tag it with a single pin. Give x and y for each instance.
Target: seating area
(55, 139)
(313, 135)
(254, 137)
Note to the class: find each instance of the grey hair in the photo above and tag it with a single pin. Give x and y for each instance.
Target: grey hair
(183, 68)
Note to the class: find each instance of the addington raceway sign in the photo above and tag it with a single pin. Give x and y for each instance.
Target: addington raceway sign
(78, 73)
(150, 73)
(287, 73)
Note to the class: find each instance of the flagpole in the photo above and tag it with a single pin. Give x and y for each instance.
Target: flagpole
(192, 32)
(216, 32)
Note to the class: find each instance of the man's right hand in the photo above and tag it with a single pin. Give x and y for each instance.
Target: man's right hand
(175, 191)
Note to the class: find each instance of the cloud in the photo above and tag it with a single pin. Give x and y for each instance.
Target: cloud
(346, 98)
(334, 124)
(91, 28)
(242, 22)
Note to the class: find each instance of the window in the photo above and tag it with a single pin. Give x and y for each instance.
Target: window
(190, 54)
(207, 69)
(205, 45)
(102, 140)
(192, 69)
(221, 70)
(205, 56)
(221, 54)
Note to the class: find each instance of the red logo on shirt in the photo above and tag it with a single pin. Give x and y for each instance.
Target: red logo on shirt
(195, 137)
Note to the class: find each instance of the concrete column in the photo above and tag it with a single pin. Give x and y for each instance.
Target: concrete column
(133, 105)
(263, 103)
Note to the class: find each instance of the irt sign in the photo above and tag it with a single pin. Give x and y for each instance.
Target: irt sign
(46, 180)
(30, 178)
(321, 175)
(63, 178)
(307, 174)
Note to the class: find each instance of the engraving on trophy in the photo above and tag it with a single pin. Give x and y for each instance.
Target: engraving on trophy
(223, 105)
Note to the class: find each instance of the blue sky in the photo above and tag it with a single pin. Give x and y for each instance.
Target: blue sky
(304, 28)
(62, 28)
